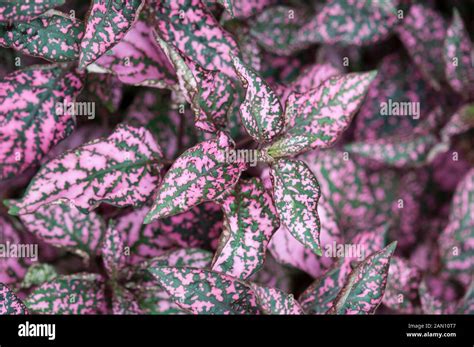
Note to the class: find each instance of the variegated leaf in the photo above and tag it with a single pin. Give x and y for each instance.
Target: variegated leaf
(273, 301)
(190, 257)
(53, 36)
(457, 240)
(384, 112)
(206, 292)
(316, 118)
(120, 170)
(30, 124)
(352, 22)
(190, 26)
(261, 111)
(402, 286)
(277, 29)
(72, 294)
(137, 61)
(466, 304)
(296, 192)
(458, 57)
(200, 174)
(210, 93)
(197, 228)
(10, 304)
(364, 288)
(245, 8)
(400, 153)
(64, 226)
(112, 251)
(23, 10)
(250, 221)
(12, 268)
(423, 32)
(107, 23)
(124, 302)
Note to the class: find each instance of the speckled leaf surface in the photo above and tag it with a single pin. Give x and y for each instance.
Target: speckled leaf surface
(107, 23)
(10, 304)
(250, 222)
(29, 123)
(364, 288)
(423, 32)
(261, 111)
(273, 301)
(137, 61)
(352, 22)
(296, 192)
(319, 116)
(64, 226)
(458, 48)
(73, 294)
(118, 170)
(199, 227)
(206, 292)
(38, 274)
(113, 251)
(53, 36)
(399, 153)
(23, 10)
(190, 25)
(200, 174)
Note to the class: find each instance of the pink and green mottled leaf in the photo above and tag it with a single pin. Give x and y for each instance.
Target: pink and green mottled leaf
(112, 251)
(458, 48)
(277, 28)
(273, 301)
(72, 294)
(457, 239)
(210, 93)
(120, 170)
(63, 225)
(10, 304)
(400, 153)
(190, 257)
(245, 8)
(317, 118)
(250, 222)
(313, 76)
(29, 122)
(345, 186)
(38, 274)
(23, 10)
(200, 174)
(296, 192)
(350, 22)
(12, 269)
(125, 303)
(107, 23)
(53, 36)
(206, 292)
(261, 111)
(137, 61)
(365, 286)
(423, 31)
(402, 286)
(199, 227)
(398, 82)
(190, 26)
